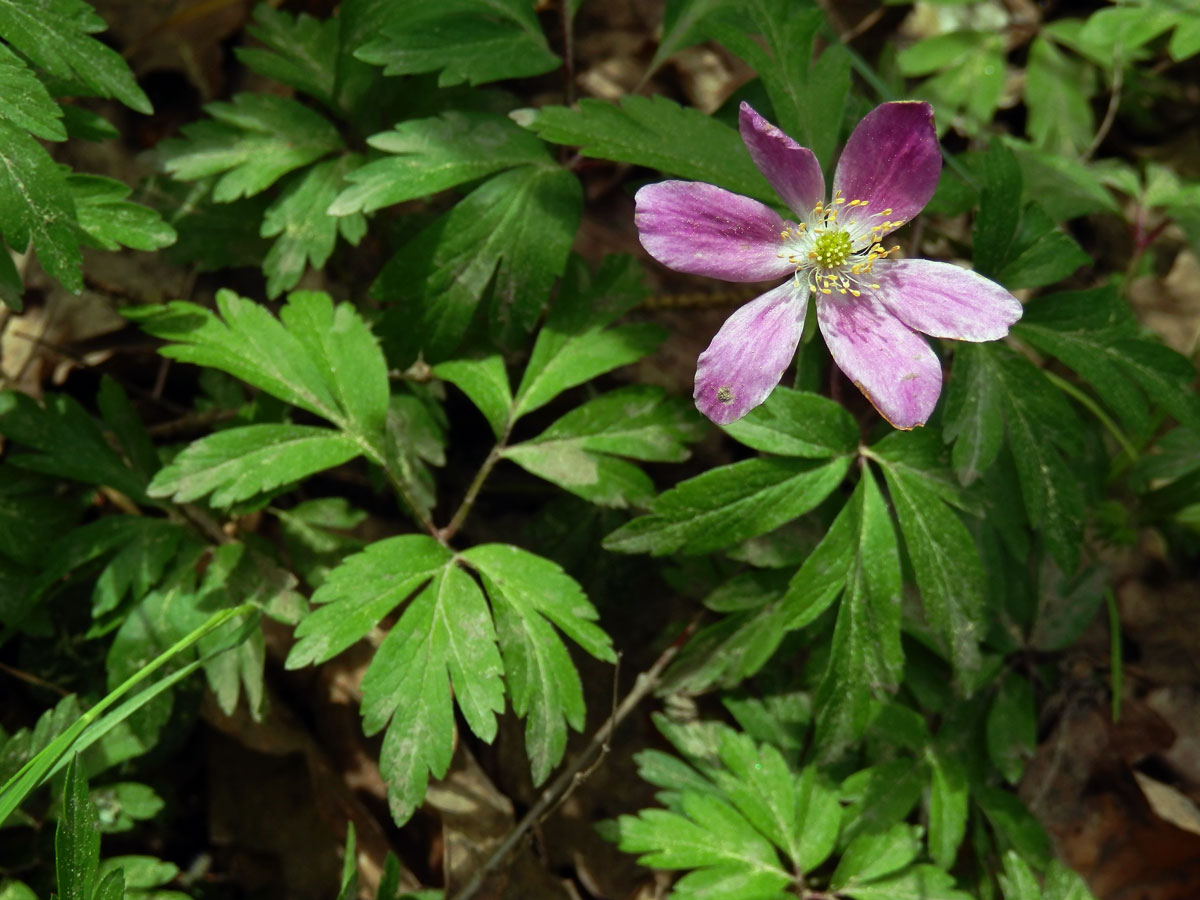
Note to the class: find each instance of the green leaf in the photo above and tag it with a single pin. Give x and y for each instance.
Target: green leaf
(575, 452)
(239, 463)
(947, 804)
(565, 356)
(818, 816)
(24, 100)
(305, 234)
(865, 656)
(970, 72)
(1040, 422)
(111, 221)
(54, 34)
(444, 637)
(254, 141)
(473, 41)
(302, 52)
(683, 26)
(921, 882)
(874, 855)
(731, 858)
(999, 210)
(316, 356)
(349, 882)
(36, 204)
(1041, 254)
(974, 417)
(140, 872)
(147, 547)
(358, 594)
(657, 133)
(529, 595)
(66, 442)
(735, 647)
(1177, 453)
(794, 423)
(485, 381)
(1012, 727)
(1057, 93)
(729, 504)
(763, 789)
(946, 563)
(510, 235)
(808, 93)
(821, 578)
(123, 804)
(430, 155)
(77, 838)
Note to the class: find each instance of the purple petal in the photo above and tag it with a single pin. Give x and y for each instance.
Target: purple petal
(693, 227)
(888, 361)
(792, 170)
(892, 161)
(945, 301)
(749, 354)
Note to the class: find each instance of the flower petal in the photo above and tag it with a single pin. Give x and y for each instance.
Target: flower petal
(945, 301)
(889, 362)
(792, 170)
(892, 161)
(748, 356)
(693, 227)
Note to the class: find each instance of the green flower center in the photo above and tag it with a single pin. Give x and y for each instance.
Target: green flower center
(832, 249)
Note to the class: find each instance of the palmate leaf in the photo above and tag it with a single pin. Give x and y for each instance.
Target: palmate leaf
(1057, 93)
(578, 451)
(55, 35)
(444, 638)
(660, 134)
(305, 234)
(253, 141)
(729, 504)
(316, 356)
(473, 41)
(510, 235)
(736, 789)
(530, 596)
(430, 155)
(729, 858)
(683, 26)
(865, 656)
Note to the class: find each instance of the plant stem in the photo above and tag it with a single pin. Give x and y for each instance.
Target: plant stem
(468, 501)
(571, 777)
(1094, 408)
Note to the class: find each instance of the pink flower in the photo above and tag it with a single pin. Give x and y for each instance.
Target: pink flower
(869, 304)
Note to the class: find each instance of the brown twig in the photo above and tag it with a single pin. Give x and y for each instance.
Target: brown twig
(571, 777)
